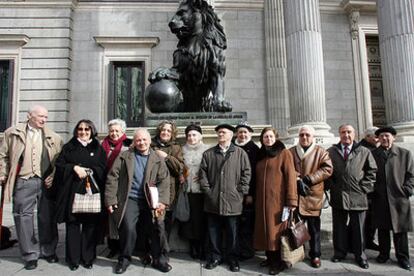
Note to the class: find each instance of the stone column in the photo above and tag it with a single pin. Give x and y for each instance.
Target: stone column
(277, 97)
(305, 66)
(396, 39)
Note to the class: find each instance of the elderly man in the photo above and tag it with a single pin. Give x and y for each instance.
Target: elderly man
(352, 179)
(128, 200)
(370, 141)
(391, 203)
(246, 224)
(27, 158)
(313, 166)
(224, 179)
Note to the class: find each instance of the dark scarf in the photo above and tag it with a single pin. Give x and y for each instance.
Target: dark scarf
(271, 151)
(106, 144)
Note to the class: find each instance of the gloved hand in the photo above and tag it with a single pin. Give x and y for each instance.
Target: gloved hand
(303, 189)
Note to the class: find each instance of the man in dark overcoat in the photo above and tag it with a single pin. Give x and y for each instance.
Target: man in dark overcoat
(128, 200)
(370, 141)
(394, 186)
(224, 179)
(352, 179)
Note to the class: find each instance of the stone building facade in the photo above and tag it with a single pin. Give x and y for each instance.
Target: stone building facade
(289, 62)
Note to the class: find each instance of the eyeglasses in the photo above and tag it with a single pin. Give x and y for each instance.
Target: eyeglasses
(304, 134)
(84, 129)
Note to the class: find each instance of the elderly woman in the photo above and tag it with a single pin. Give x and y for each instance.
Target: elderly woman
(275, 188)
(170, 151)
(78, 157)
(195, 229)
(113, 144)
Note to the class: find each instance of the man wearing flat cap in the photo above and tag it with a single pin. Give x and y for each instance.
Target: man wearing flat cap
(224, 179)
(391, 205)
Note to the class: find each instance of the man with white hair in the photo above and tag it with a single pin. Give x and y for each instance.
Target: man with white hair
(370, 141)
(128, 202)
(27, 158)
(313, 165)
(352, 179)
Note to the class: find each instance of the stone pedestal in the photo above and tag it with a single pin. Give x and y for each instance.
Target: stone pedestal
(305, 66)
(396, 39)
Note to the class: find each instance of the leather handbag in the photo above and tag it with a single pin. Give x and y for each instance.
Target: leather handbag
(88, 202)
(290, 255)
(298, 232)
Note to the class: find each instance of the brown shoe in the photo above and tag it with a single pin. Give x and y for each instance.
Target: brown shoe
(316, 262)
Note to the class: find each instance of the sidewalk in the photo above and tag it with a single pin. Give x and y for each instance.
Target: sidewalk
(183, 265)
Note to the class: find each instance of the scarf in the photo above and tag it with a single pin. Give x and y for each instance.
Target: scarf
(117, 146)
(271, 151)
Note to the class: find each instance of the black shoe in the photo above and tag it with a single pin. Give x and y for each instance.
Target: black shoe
(30, 265)
(316, 262)
(52, 259)
(234, 266)
(121, 266)
(212, 264)
(88, 265)
(274, 270)
(363, 264)
(335, 259)
(162, 267)
(73, 267)
(372, 245)
(146, 259)
(405, 265)
(382, 259)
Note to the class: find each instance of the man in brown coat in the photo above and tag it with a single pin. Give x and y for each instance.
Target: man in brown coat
(27, 159)
(394, 186)
(313, 165)
(128, 200)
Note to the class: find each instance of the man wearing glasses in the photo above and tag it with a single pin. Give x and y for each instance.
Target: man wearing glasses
(27, 157)
(313, 166)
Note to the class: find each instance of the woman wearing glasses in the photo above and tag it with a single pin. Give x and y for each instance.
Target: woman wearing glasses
(81, 156)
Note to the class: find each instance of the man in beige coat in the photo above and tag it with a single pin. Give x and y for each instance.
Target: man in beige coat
(128, 201)
(27, 157)
(313, 165)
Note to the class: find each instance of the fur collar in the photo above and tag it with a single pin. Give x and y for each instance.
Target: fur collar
(302, 153)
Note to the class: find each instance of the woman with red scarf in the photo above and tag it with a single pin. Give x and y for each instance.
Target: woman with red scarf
(113, 144)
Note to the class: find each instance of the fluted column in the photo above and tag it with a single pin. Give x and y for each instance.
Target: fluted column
(305, 66)
(277, 97)
(396, 39)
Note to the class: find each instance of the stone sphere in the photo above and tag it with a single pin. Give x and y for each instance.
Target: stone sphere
(162, 96)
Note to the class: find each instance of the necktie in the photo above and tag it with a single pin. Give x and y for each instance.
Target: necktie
(346, 152)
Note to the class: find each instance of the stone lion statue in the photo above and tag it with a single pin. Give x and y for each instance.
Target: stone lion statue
(198, 62)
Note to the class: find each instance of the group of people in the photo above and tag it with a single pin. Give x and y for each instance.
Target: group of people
(234, 187)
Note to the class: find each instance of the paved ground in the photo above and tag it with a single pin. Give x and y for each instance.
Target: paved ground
(11, 264)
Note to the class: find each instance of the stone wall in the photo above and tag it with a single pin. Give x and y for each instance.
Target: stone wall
(339, 77)
(45, 60)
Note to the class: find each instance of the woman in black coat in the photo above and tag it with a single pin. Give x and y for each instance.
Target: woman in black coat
(82, 153)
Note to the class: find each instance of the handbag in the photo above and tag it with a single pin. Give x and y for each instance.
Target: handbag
(88, 202)
(298, 231)
(289, 255)
(182, 206)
